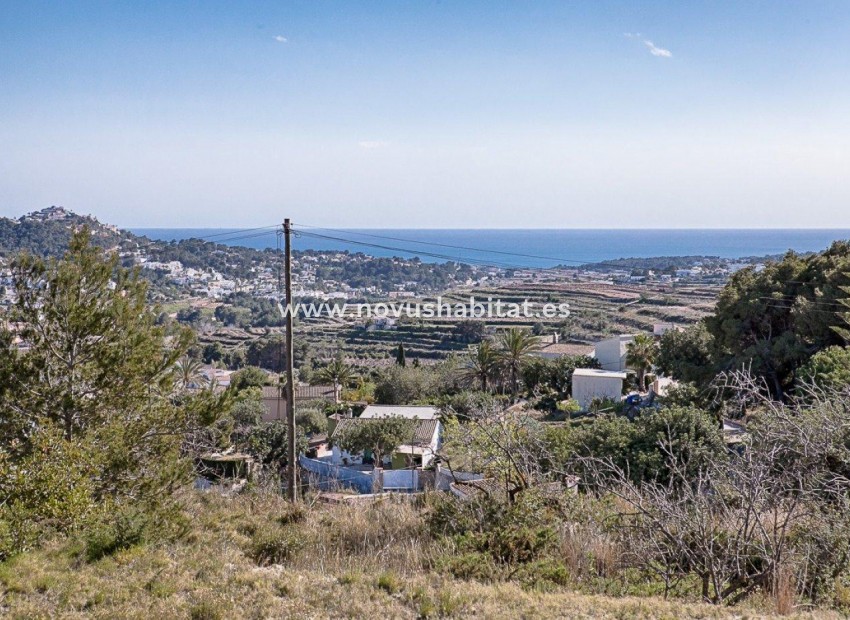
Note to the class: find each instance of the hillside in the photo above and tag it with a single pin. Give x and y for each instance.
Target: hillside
(247, 556)
(47, 232)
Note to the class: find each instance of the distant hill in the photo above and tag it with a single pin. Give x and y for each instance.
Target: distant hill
(47, 232)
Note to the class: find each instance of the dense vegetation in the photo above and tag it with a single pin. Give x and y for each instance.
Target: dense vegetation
(658, 264)
(380, 271)
(770, 322)
(91, 417)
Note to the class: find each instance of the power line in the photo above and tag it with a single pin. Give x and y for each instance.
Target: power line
(415, 252)
(235, 232)
(241, 237)
(559, 260)
(270, 230)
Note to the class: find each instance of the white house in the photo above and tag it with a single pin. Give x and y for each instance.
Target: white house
(591, 383)
(659, 329)
(217, 376)
(409, 412)
(611, 352)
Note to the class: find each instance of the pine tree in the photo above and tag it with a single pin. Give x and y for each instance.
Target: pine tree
(97, 375)
(399, 357)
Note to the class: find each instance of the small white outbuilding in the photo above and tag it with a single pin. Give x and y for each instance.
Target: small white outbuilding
(611, 352)
(590, 383)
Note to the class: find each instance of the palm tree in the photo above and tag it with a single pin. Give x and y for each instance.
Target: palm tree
(640, 356)
(515, 347)
(482, 365)
(188, 370)
(337, 372)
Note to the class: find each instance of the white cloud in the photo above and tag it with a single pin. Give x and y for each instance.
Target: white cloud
(281, 39)
(373, 144)
(657, 51)
(653, 49)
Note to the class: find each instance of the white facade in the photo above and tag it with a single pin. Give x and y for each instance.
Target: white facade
(591, 383)
(659, 329)
(611, 353)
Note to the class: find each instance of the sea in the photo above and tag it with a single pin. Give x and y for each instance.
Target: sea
(537, 248)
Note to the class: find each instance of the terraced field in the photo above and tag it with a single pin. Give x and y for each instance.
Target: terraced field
(596, 311)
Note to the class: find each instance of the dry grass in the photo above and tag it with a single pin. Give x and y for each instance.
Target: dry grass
(348, 561)
(785, 591)
(587, 552)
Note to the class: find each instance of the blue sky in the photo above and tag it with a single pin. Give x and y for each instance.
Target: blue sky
(428, 114)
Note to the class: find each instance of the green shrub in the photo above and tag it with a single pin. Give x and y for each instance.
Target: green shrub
(388, 582)
(49, 489)
(509, 533)
(205, 610)
(448, 516)
(276, 545)
(425, 605)
(472, 565)
(311, 421)
(120, 531)
(542, 574)
(525, 532)
(448, 604)
(570, 405)
(519, 544)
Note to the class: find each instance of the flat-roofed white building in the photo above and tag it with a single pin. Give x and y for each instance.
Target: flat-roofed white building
(591, 383)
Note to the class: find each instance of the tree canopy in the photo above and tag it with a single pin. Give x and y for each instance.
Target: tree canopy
(379, 435)
(94, 387)
(773, 320)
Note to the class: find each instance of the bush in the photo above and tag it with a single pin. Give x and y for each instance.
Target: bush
(250, 376)
(275, 545)
(694, 437)
(292, 513)
(543, 573)
(126, 529)
(248, 409)
(49, 489)
(400, 385)
(508, 533)
(388, 582)
(311, 421)
(470, 565)
(828, 369)
(525, 534)
(570, 405)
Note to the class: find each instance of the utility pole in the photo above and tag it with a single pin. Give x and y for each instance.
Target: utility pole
(292, 465)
